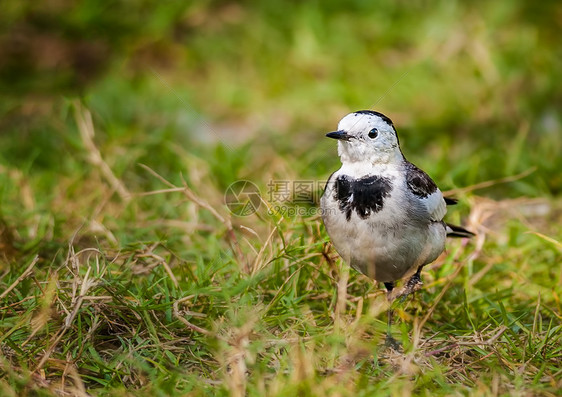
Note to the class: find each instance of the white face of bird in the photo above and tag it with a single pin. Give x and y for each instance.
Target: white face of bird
(367, 136)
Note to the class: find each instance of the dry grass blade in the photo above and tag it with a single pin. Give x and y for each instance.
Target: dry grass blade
(202, 204)
(342, 297)
(80, 289)
(188, 193)
(546, 238)
(488, 342)
(86, 127)
(165, 264)
(181, 318)
(485, 184)
(256, 266)
(26, 273)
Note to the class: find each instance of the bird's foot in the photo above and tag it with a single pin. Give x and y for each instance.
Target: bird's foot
(392, 343)
(414, 284)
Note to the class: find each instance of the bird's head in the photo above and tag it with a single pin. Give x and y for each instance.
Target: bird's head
(367, 136)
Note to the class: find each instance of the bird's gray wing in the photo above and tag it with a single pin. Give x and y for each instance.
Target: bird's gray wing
(426, 191)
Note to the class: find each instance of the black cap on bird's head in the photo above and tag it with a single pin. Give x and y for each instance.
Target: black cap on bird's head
(386, 119)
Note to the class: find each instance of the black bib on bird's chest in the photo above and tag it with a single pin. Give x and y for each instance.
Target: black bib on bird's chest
(364, 196)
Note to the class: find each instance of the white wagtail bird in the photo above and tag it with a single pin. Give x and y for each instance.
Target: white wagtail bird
(383, 214)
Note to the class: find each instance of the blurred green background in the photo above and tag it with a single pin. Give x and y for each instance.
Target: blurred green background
(473, 85)
(211, 92)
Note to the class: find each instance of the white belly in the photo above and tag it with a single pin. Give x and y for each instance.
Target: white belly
(387, 244)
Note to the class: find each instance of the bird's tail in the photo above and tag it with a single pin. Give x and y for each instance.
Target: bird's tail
(457, 231)
(450, 200)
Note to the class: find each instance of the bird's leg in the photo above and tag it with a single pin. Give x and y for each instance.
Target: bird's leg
(390, 341)
(389, 287)
(412, 285)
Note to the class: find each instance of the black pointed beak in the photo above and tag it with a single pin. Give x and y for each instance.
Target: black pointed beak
(341, 135)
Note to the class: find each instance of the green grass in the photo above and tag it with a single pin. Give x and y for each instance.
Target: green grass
(122, 271)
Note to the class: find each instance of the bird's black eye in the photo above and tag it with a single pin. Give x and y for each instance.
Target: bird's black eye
(373, 133)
